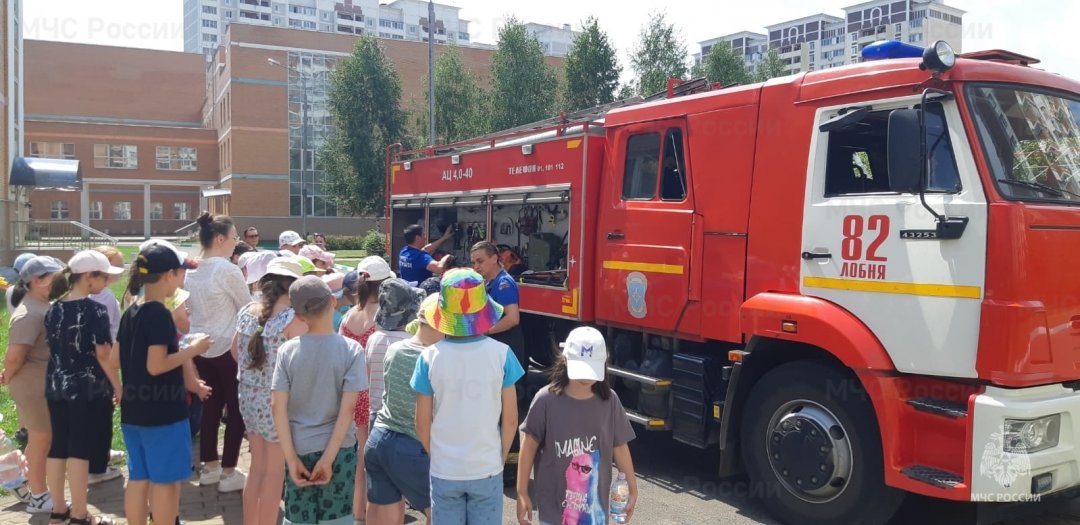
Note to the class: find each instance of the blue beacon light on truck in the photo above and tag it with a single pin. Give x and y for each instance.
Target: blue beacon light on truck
(886, 49)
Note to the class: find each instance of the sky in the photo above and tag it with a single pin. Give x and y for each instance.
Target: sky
(1037, 28)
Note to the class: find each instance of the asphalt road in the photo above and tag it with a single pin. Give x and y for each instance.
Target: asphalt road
(678, 486)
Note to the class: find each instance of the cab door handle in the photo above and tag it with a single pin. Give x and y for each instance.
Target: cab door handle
(615, 235)
(809, 256)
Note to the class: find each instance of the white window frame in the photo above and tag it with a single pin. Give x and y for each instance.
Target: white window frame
(95, 212)
(121, 211)
(157, 211)
(59, 210)
(106, 157)
(182, 211)
(176, 158)
(52, 150)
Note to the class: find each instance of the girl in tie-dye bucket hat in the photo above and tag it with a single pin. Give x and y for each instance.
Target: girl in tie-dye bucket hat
(466, 406)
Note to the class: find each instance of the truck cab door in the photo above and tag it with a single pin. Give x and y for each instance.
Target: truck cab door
(645, 222)
(875, 252)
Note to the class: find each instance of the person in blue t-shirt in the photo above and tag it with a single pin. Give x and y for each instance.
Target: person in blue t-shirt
(415, 263)
(502, 289)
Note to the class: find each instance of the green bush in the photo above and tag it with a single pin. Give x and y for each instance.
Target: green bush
(375, 243)
(344, 242)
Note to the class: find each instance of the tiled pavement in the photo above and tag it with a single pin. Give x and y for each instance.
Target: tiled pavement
(198, 505)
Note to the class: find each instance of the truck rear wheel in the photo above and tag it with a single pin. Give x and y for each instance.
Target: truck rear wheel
(812, 448)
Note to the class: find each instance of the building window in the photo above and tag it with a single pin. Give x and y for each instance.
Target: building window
(95, 210)
(157, 211)
(207, 37)
(899, 28)
(182, 211)
(174, 158)
(116, 156)
(121, 211)
(301, 10)
(209, 23)
(309, 24)
(209, 9)
(295, 23)
(915, 37)
(52, 150)
(59, 210)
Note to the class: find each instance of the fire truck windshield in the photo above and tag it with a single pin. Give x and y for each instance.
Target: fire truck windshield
(1031, 140)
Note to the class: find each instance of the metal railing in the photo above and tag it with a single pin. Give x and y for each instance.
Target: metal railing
(187, 232)
(64, 235)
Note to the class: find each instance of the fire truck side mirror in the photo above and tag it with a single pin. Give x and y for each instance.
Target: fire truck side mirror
(905, 150)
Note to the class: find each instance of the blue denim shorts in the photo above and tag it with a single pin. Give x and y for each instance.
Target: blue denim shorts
(476, 501)
(396, 467)
(161, 454)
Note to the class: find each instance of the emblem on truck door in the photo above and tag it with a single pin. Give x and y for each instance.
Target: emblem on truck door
(636, 286)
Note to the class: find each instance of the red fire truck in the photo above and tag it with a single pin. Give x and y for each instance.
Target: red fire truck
(856, 282)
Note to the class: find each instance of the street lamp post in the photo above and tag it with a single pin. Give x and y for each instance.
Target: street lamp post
(303, 140)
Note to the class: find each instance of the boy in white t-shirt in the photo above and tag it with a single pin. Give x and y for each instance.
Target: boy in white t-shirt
(466, 407)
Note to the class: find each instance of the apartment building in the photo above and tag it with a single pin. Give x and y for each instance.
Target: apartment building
(207, 21)
(746, 44)
(13, 202)
(554, 41)
(824, 41)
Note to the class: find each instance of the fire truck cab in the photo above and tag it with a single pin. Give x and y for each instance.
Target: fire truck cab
(856, 282)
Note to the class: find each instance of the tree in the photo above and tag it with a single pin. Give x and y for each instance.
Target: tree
(459, 103)
(771, 66)
(660, 55)
(626, 91)
(592, 69)
(365, 98)
(724, 66)
(523, 85)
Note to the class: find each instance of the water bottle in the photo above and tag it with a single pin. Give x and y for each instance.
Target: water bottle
(620, 497)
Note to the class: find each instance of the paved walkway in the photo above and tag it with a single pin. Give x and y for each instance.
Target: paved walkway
(198, 505)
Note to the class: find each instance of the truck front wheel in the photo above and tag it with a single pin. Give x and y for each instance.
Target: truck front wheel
(812, 448)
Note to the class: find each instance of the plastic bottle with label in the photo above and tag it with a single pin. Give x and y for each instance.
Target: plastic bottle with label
(620, 497)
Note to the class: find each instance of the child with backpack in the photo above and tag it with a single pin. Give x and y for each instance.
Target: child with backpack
(575, 428)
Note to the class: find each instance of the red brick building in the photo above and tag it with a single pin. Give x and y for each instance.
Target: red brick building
(162, 135)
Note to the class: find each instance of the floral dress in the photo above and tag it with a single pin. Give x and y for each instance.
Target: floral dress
(363, 401)
(254, 390)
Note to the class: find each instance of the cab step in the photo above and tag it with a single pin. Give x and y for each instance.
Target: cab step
(638, 377)
(933, 476)
(939, 407)
(650, 423)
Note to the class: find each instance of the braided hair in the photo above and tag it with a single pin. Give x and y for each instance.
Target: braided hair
(273, 287)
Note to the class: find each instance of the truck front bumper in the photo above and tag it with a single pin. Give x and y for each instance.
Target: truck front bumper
(998, 473)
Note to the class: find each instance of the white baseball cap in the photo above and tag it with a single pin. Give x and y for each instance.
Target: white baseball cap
(290, 238)
(376, 268)
(92, 261)
(586, 354)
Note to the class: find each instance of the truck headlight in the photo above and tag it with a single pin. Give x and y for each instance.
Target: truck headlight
(1027, 436)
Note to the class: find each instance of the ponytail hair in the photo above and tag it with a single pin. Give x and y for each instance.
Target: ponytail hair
(273, 287)
(210, 226)
(18, 292)
(137, 278)
(64, 281)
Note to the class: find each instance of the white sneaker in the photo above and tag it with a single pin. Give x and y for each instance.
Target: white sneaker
(209, 476)
(232, 482)
(110, 473)
(39, 504)
(117, 457)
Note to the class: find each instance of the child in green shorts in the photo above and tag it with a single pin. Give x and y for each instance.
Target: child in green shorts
(316, 381)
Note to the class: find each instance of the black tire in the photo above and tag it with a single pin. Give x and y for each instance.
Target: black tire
(861, 496)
